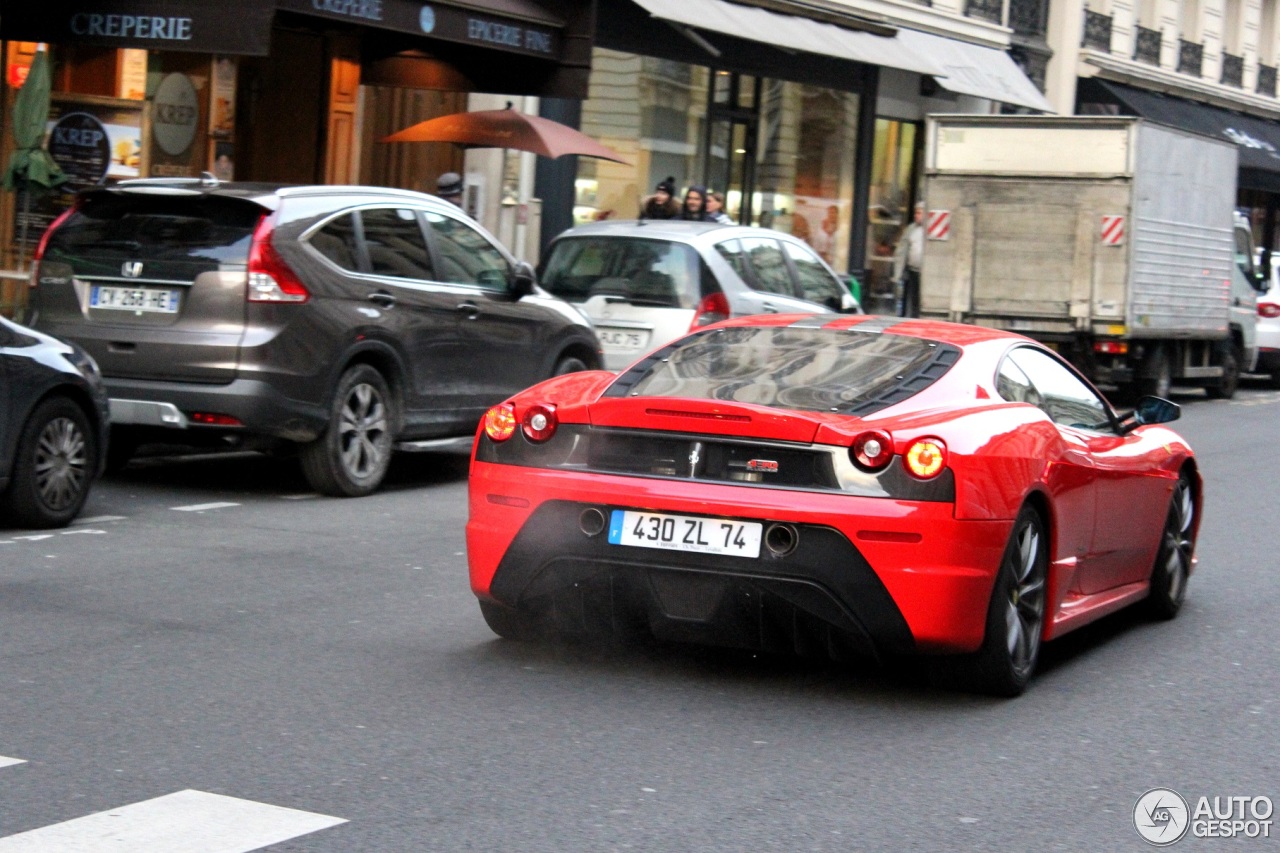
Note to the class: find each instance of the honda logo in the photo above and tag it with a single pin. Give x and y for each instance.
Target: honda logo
(131, 269)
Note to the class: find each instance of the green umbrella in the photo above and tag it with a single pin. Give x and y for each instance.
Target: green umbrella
(31, 163)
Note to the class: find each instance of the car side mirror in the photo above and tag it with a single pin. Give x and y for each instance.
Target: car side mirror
(522, 281)
(1156, 410)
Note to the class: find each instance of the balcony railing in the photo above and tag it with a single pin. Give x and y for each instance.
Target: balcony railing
(1232, 70)
(987, 10)
(1146, 47)
(1029, 17)
(1190, 57)
(1097, 31)
(1267, 80)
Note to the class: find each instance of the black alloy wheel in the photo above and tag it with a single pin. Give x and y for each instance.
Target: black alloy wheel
(569, 364)
(1173, 560)
(353, 455)
(1015, 617)
(55, 466)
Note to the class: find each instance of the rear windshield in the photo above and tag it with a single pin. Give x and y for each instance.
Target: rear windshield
(109, 227)
(641, 271)
(792, 368)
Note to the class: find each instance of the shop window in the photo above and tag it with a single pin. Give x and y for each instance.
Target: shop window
(893, 179)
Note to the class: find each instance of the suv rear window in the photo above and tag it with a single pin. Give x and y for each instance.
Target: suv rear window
(819, 370)
(110, 227)
(642, 271)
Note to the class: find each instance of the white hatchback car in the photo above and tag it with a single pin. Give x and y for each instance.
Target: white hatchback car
(644, 283)
(1269, 327)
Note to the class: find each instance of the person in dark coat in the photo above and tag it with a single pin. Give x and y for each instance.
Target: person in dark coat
(695, 204)
(662, 204)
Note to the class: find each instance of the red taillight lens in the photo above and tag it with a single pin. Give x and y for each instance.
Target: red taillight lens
(214, 419)
(539, 422)
(926, 457)
(270, 278)
(712, 309)
(871, 451)
(44, 244)
(500, 422)
(1268, 309)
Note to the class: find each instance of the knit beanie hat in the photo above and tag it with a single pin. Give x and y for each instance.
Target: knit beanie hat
(668, 186)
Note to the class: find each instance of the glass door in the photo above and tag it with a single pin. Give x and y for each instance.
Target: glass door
(729, 149)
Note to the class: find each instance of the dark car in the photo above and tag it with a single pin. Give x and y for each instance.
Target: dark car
(347, 321)
(53, 427)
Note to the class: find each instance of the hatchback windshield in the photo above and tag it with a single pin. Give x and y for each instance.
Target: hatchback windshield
(640, 271)
(792, 368)
(110, 227)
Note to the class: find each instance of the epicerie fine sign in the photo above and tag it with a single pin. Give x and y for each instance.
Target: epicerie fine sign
(441, 22)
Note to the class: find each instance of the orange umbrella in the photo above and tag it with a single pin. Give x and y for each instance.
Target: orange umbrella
(506, 129)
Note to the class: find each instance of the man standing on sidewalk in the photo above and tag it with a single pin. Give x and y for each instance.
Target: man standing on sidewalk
(906, 263)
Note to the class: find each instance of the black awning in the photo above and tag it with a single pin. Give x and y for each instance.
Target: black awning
(201, 26)
(1257, 139)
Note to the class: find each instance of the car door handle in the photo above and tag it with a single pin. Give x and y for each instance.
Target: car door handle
(471, 309)
(382, 298)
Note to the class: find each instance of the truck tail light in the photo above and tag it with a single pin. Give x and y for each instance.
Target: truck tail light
(872, 450)
(926, 457)
(270, 278)
(1111, 347)
(712, 309)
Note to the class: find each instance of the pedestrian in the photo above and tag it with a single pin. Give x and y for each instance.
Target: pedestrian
(694, 208)
(449, 187)
(715, 208)
(662, 204)
(906, 263)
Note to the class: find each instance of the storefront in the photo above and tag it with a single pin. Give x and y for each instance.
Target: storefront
(784, 114)
(293, 91)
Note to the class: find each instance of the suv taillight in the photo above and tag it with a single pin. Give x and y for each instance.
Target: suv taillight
(270, 278)
(1268, 310)
(44, 244)
(712, 309)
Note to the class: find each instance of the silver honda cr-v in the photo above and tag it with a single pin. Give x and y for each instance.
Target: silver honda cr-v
(349, 321)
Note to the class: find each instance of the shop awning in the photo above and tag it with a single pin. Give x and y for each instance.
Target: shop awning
(970, 69)
(1258, 139)
(792, 32)
(202, 26)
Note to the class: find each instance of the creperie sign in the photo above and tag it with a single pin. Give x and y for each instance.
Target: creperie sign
(131, 26)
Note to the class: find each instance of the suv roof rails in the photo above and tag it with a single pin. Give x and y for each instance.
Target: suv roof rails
(206, 179)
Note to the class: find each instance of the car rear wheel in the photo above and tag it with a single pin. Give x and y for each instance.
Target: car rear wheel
(1015, 617)
(56, 463)
(1173, 560)
(507, 622)
(569, 364)
(353, 455)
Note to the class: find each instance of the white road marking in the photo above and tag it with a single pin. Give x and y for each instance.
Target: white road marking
(182, 822)
(9, 762)
(90, 531)
(34, 538)
(99, 519)
(305, 497)
(203, 507)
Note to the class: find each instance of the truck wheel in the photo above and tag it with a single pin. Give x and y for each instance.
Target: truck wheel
(1225, 388)
(1157, 377)
(353, 455)
(56, 462)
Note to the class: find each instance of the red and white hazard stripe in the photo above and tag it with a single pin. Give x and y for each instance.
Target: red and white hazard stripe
(1112, 230)
(938, 225)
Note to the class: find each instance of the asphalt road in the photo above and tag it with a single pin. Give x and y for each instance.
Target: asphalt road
(212, 626)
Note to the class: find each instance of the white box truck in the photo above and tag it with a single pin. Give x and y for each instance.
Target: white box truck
(1112, 239)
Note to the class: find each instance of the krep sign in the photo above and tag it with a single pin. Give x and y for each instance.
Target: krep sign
(175, 114)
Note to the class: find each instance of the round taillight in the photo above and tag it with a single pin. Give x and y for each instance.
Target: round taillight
(500, 422)
(1270, 310)
(539, 422)
(871, 451)
(926, 457)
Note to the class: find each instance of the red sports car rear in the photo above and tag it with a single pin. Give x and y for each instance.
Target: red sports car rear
(830, 486)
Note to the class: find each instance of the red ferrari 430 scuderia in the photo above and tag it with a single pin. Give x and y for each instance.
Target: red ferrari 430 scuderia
(832, 485)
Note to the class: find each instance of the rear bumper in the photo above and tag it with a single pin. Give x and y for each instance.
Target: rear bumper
(259, 406)
(870, 574)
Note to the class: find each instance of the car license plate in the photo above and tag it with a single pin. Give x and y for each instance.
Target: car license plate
(685, 533)
(134, 299)
(623, 338)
